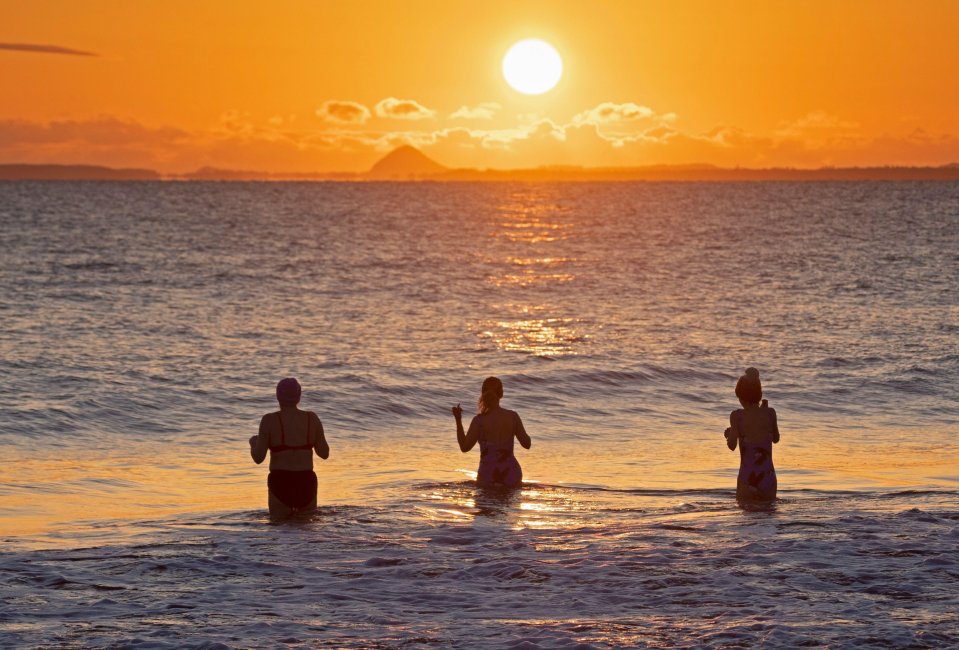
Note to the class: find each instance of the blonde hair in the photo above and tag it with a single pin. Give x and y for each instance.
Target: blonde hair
(490, 395)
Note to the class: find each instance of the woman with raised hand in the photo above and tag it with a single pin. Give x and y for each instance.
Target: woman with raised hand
(494, 428)
(291, 436)
(755, 430)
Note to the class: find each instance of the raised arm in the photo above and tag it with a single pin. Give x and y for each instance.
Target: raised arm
(260, 443)
(466, 440)
(321, 446)
(521, 434)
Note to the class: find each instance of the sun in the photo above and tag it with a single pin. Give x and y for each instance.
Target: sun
(532, 66)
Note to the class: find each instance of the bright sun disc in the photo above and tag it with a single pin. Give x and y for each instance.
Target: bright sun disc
(532, 66)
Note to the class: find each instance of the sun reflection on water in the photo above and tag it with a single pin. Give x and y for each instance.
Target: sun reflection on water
(527, 226)
(545, 337)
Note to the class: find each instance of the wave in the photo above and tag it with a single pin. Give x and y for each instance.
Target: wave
(697, 492)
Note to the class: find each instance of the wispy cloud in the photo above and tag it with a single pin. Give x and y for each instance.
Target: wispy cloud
(44, 49)
(608, 112)
(343, 112)
(403, 109)
(484, 111)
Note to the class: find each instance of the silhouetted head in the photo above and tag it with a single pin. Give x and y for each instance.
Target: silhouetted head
(288, 392)
(749, 389)
(491, 395)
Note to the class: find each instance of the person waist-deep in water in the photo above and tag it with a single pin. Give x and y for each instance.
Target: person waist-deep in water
(291, 436)
(494, 428)
(755, 429)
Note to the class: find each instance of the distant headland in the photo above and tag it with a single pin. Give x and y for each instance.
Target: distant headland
(407, 163)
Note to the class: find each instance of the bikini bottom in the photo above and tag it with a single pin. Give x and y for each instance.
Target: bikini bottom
(294, 489)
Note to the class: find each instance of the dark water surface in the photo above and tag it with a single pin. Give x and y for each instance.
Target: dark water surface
(145, 324)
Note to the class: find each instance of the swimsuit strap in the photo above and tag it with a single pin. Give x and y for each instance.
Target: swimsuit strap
(308, 430)
(279, 416)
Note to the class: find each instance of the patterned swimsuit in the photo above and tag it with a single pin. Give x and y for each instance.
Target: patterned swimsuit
(497, 462)
(757, 476)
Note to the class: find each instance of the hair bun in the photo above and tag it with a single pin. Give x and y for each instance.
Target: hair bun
(752, 373)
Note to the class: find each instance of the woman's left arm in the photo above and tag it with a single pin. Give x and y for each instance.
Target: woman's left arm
(732, 432)
(260, 443)
(466, 440)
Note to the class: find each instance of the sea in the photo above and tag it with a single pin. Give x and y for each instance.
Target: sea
(144, 325)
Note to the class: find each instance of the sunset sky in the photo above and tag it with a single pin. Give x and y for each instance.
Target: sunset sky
(290, 86)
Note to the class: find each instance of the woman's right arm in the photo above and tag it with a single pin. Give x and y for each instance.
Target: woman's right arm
(321, 446)
(774, 425)
(260, 443)
(521, 434)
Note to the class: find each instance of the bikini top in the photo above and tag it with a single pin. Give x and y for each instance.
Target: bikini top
(285, 447)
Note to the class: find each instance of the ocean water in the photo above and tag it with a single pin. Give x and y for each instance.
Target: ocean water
(144, 326)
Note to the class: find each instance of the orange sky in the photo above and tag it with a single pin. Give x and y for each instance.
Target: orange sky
(320, 86)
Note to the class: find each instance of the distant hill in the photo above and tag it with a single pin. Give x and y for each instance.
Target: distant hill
(405, 163)
(409, 164)
(218, 174)
(703, 173)
(74, 173)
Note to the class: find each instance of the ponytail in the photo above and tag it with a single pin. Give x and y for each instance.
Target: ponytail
(492, 393)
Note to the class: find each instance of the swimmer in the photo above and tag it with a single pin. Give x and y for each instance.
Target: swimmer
(291, 436)
(494, 428)
(755, 429)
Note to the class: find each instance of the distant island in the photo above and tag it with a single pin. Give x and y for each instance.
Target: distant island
(75, 173)
(407, 163)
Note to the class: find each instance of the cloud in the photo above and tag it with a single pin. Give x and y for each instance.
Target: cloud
(241, 140)
(44, 49)
(403, 109)
(619, 124)
(343, 112)
(610, 113)
(484, 111)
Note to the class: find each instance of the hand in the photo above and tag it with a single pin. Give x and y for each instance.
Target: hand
(728, 432)
(253, 440)
(457, 412)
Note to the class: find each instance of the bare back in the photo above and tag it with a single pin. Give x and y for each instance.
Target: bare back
(291, 436)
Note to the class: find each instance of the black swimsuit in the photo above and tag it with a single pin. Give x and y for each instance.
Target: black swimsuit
(296, 489)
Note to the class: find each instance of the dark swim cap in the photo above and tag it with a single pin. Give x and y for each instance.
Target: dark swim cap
(288, 392)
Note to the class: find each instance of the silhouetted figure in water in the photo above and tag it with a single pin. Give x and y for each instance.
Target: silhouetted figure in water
(494, 428)
(291, 436)
(755, 429)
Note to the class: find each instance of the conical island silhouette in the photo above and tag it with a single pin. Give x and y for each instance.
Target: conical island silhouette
(404, 163)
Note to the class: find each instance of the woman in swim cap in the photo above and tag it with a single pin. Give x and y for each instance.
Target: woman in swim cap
(291, 436)
(755, 429)
(494, 428)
